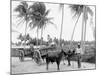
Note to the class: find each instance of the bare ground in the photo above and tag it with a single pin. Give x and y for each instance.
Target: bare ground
(29, 66)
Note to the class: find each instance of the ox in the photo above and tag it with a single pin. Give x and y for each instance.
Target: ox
(54, 56)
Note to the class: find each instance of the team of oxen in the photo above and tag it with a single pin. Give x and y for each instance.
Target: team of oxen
(57, 57)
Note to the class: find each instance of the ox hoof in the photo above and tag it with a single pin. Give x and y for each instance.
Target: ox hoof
(69, 64)
(46, 69)
(58, 69)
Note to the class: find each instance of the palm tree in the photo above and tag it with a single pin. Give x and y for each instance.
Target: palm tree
(62, 9)
(23, 10)
(39, 17)
(93, 28)
(44, 22)
(79, 10)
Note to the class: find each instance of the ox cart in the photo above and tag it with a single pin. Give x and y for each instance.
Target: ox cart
(23, 51)
(37, 53)
(40, 53)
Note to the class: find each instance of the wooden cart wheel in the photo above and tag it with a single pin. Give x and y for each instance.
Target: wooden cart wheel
(21, 55)
(36, 60)
(37, 57)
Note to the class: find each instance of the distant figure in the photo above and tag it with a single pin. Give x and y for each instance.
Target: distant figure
(62, 45)
(78, 54)
(41, 40)
(49, 39)
(52, 44)
(47, 44)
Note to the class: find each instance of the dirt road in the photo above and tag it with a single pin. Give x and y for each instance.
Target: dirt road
(29, 66)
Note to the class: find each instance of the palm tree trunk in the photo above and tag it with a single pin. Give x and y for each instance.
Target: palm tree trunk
(82, 33)
(61, 25)
(25, 34)
(74, 30)
(41, 35)
(85, 32)
(85, 21)
(37, 35)
(84, 39)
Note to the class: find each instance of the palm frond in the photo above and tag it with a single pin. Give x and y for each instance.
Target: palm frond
(47, 12)
(76, 9)
(46, 19)
(21, 9)
(24, 4)
(38, 7)
(89, 11)
(20, 22)
(15, 31)
(50, 22)
(32, 25)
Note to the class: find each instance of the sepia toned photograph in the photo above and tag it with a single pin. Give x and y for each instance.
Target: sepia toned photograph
(52, 37)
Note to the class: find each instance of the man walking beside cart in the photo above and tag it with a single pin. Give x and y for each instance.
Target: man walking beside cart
(79, 53)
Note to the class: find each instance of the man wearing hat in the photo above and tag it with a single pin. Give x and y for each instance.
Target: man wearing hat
(32, 47)
(78, 53)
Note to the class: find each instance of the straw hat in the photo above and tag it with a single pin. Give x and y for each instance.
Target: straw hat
(79, 44)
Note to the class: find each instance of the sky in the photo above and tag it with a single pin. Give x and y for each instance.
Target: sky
(54, 31)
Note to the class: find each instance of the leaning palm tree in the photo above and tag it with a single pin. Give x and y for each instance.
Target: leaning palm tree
(84, 11)
(23, 10)
(77, 10)
(39, 17)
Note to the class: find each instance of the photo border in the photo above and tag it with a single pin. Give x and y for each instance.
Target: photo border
(50, 71)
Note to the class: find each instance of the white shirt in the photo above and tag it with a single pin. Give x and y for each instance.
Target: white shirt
(79, 50)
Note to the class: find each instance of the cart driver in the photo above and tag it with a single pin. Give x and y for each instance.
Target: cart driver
(49, 40)
(32, 47)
